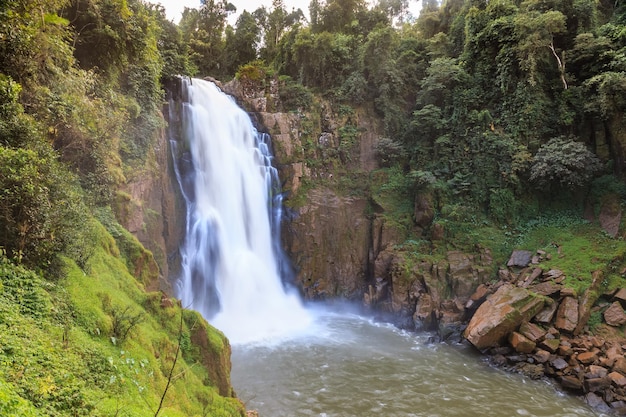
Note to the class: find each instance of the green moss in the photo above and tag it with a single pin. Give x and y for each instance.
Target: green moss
(66, 363)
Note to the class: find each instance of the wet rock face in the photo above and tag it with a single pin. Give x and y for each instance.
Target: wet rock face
(328, 241)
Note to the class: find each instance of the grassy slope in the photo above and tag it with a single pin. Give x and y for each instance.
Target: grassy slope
(62, 353)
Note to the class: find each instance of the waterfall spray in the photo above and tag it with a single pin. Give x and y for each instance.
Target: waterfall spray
(230, 257)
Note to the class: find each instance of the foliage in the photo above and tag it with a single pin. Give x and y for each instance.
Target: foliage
(564, 162)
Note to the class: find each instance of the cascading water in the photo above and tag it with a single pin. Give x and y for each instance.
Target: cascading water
(231, 257)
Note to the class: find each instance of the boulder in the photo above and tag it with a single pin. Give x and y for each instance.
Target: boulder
(500, 314)
(547, 313)
(587, 301)
(620, 365)
(521, 343)
(617, 379)
(614, 315)
(547, 288)
(587, 357)
(520, 259)
(572, 383)
(551, 345)
(532, 331)
(567, 315)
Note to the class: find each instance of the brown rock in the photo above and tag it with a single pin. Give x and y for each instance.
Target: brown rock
(594, 371)
(597, 384)
(532, 331)
(618, 379)
(614, 352)
(553, 274)
(551, 345)
(521, 343)
(500, 314)
(542, 356)
(587, 357)
(572, 383)
(532, 277)
(615, 315)
(567, 315)
(547, 288)
(620, 365)
(587, 301)
(547, 314)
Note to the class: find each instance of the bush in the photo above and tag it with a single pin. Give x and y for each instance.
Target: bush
(565, 163)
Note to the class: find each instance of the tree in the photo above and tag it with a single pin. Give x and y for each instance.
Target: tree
(564, 162)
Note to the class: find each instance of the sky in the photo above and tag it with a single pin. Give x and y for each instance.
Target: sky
(174, 8)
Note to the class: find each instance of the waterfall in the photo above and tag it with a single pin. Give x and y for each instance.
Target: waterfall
(231, 256)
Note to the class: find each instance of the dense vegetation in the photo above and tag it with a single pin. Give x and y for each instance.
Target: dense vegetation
(498, 110)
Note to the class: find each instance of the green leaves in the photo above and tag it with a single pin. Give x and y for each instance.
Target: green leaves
(564, 162)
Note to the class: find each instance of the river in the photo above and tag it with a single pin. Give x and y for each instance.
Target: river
(347, 365)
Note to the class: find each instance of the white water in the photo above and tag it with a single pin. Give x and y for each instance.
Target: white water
(230, 261)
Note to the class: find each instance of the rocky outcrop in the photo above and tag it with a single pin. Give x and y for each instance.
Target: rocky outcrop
(550, 338)
(328, 240)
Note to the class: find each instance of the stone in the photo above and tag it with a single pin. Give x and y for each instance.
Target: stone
(532, 277)
(532, 331)
(620, 365)
(594, 371)
(615, 315)
(478, 297)
(547, 288)
(500, 314)
(542, 356)
(521, 343)
(546, 315)
(551, 345)
(614, 352)
(617, 379)
(587, 357)
(571, 383)
(567, 315)
(596, 402)
(520, 259)
(588, 299)
(597, 384)
(559, 363)
(553, 274)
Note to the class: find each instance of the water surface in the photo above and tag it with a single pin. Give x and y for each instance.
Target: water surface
(346, 365)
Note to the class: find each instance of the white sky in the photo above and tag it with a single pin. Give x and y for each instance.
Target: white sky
(174, 8)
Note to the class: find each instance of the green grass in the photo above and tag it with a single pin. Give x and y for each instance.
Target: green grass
(584, 248)
(59, 355)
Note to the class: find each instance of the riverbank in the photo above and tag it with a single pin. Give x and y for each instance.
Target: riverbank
(530, 322)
